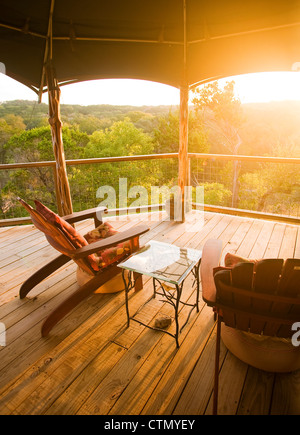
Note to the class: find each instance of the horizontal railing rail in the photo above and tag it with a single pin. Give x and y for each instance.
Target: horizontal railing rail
(244, 158)
(93, 161)
(200, 156)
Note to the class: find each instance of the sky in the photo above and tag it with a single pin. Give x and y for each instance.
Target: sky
(260, 87)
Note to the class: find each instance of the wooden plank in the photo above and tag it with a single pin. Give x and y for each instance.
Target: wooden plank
(297, 246)
(29, 339)
(260, 246)
(250, 239)
(236, 240)
(60, 374)
(286, 394)
(163, 378)
(14, 233)
(199, 388)
(105, 395)
(287, 249)
(274, 244)
(73, 397)
(155, 352)
(11, 313)
(257, 393)
(231, 381)
(94, 335)
(14, 273)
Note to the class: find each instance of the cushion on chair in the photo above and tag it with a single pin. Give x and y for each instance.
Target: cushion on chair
(100, 259)
(103, 231)
(107, 256)
(231, 260)
(111, 255)
(77, 240)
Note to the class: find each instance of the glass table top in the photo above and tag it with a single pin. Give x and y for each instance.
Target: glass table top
(163, 261)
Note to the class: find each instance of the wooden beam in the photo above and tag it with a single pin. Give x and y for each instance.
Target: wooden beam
(48, 49)
(62, 184)
(183, 163)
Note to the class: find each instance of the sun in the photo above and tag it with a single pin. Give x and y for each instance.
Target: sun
(267, 87)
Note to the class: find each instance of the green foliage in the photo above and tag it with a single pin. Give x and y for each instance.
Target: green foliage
(222, 102)
(216, 194)
(274, 188)
(166, 133)
(217, 123)
(121, 139)
(222, 114)
(36, 146)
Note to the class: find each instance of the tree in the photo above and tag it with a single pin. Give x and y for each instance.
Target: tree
(35, 146)
(166, 140)
(273, 188)
(121, 139)
(166, 133)
(9, 126)
(222, 113)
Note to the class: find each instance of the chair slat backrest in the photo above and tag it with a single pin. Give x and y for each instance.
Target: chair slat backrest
(55, 237)
(266, 280)
(247, 304)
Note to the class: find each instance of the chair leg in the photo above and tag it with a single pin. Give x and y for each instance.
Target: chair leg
(82, 293)
(138, 281)
(41, 274)
(217, 363)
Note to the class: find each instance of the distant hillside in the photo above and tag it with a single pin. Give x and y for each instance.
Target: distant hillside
(266, 124)
(86, 118)
(27, 109)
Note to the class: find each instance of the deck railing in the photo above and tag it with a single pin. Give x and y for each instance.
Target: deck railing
(233, 184)
(257, 186)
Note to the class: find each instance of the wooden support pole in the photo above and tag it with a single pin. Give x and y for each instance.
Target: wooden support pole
(183, 164)
(61, 183)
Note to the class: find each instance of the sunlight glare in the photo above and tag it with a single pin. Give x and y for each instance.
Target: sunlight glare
(250, 88)
(267, 87)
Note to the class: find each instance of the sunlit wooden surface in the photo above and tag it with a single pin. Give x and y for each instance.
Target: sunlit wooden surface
(92, 364)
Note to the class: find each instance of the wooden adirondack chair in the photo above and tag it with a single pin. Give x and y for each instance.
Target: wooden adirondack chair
(72, 246)
(253, 299)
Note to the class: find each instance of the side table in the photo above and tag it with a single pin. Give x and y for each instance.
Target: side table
(164, 263)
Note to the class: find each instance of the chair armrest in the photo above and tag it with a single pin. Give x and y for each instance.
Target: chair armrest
(211, 255)
(108, 242)
(95, 213)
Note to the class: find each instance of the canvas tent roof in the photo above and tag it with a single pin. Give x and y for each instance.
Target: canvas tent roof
(176, 42)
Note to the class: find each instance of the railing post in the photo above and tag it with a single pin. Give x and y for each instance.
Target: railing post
(184, 118)
(183, 147)
(57, 192)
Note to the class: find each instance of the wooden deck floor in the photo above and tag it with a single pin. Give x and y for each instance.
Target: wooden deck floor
(92, 364)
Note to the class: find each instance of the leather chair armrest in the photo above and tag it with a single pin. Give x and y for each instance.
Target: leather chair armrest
(211, 255)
